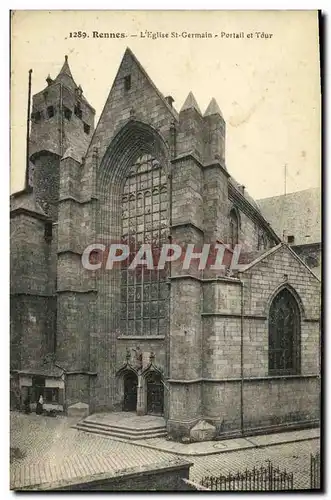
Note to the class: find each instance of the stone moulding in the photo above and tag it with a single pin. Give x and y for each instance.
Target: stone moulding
(192, 156)
(245, 379)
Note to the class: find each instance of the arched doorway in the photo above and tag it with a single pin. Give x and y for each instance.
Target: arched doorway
(130, 392)
(155, 396)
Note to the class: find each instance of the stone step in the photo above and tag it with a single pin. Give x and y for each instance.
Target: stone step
(123, 433)
(123, 426)
(142, 434)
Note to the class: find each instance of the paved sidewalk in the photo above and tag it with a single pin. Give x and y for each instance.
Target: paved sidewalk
(51, 450)
(226, 445)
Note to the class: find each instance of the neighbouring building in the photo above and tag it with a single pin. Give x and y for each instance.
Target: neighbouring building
(297, 218)
(238, 349)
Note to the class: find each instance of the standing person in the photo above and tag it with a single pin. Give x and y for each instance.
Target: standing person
(39, 409)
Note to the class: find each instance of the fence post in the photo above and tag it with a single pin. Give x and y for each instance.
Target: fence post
(270, 475)
(264, 478)
(315, 471)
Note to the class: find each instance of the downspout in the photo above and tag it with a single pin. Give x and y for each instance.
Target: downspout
(91, 382)
(61, 121)
(64, 378)
(26, 186)
(60, 130)
(241, 357)
(173, 154)
(64, 371)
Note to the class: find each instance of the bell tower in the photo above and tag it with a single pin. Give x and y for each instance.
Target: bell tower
(61, 118)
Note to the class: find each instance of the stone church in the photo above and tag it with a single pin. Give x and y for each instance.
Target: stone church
(238, 349)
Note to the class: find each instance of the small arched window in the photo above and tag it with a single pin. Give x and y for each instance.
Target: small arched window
(262, 243)
(233, 228)
(284, 335)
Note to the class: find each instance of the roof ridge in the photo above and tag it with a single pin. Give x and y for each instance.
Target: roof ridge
(142, 69)
(291, 193)
(268, 252)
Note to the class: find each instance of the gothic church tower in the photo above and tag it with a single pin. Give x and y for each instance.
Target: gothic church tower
(62, 119)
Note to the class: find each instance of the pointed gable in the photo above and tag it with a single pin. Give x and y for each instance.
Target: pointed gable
(281, 247)
(190, 103)
(164, 100)
(133, 97)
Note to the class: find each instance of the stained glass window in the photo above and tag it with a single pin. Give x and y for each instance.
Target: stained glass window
(144, 292)
(284, 335)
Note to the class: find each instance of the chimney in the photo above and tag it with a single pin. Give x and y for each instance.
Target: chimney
(170, 100)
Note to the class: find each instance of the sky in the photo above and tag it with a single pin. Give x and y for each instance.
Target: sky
(267, 87)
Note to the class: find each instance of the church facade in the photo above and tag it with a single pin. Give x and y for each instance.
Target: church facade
(237, 348)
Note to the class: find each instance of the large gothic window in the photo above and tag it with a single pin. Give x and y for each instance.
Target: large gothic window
(233, 229)
(284, 335)
(144, 292)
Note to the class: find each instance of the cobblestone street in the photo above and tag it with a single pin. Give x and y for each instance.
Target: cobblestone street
(54, 451)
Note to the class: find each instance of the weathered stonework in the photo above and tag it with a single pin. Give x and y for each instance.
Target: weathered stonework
(203, 431)
(211, 361)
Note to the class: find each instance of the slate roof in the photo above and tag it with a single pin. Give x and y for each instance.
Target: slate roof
(298, 214)
(65, 76)
(246, 194)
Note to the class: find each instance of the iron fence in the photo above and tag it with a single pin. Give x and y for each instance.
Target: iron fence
(265, 478)
(315, 471)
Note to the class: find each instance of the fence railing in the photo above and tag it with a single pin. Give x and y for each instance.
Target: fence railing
(267, 478)
(315, 471)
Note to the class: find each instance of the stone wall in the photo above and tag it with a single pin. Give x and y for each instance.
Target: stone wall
(32, 330)
(251, 228)
(73, 326)
(281, 402)
(122, 130)
(269, 404)
(57, 133)
(32, 301)
(211, 323)
(77, 388)
(29, 255)
(311, 254)
(46, 178)
(268, 401)
(45, 133)
(166, 476)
